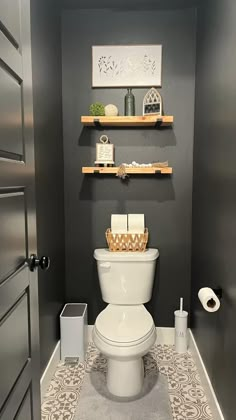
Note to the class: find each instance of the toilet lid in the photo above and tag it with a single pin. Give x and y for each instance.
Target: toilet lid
(124, 324)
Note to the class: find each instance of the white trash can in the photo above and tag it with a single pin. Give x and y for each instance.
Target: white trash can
(73, 324)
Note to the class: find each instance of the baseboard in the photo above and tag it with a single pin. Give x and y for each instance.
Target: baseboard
(50, 369)
(206, 383)
(164, 335)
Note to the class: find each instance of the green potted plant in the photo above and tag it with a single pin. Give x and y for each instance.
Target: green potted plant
(97, 109)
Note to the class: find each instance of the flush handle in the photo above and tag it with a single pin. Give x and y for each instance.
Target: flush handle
(105, 265)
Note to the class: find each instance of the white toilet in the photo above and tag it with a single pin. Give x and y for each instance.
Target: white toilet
(124, 331)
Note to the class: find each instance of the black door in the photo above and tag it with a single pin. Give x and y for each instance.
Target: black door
(19, 332)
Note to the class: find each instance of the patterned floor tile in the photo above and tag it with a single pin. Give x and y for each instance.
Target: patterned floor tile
(187, 397)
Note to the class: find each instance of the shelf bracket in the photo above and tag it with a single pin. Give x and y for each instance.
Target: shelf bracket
(97, 122)
(158, 122)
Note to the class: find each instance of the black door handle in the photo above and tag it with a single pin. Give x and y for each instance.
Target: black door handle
(35, 262)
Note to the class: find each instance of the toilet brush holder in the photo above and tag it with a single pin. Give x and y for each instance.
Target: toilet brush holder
(181, 329)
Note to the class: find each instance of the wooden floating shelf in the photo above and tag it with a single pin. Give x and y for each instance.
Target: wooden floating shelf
(134, 171)
(123, 121)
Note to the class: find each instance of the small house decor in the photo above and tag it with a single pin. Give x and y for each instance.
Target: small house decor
(104, 152)
(152, 103)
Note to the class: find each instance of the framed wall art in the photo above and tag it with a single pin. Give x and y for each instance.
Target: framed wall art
(126, 65)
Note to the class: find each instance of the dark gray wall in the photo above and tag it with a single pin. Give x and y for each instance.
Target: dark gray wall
(130, 4)
(166, 201)
(214, 198)
(46, 63)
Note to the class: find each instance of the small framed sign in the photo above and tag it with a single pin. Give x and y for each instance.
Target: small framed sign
(104, 152)
(152, 103)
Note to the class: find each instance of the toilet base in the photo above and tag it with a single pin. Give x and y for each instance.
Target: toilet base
(125, 378)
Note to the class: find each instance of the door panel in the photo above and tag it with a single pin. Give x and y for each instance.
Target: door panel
(16, 397)
(19, 327)
(24, 412)
(10, 56)
(12, 289)
(11, 135)
(14, 339)
(10, 17)
(13, 234)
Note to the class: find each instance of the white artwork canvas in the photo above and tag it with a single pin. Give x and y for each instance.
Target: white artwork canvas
(126, 65)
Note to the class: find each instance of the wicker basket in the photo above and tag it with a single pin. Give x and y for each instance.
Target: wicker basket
(127, 242)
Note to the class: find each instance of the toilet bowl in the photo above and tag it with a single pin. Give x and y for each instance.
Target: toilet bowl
(124, 331)
(124, 334)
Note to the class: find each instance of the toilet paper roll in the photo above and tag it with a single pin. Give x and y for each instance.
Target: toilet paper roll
(119, 223)
(136, 223)
(208, 299)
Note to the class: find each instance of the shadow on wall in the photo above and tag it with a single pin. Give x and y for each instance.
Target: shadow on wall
(159, 137)
(133, 143)
(101, 187)
(96, 303)
(151, 305)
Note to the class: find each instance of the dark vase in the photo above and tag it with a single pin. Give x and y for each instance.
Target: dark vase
(129, 103)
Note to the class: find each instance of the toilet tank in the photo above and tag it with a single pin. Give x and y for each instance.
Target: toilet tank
(126, 278)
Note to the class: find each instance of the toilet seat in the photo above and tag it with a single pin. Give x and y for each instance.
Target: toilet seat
(124, 325)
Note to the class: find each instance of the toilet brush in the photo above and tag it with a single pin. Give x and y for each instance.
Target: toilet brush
(181, 323)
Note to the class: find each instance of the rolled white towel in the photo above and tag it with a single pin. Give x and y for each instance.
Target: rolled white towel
(119, 223)
(136, 223)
